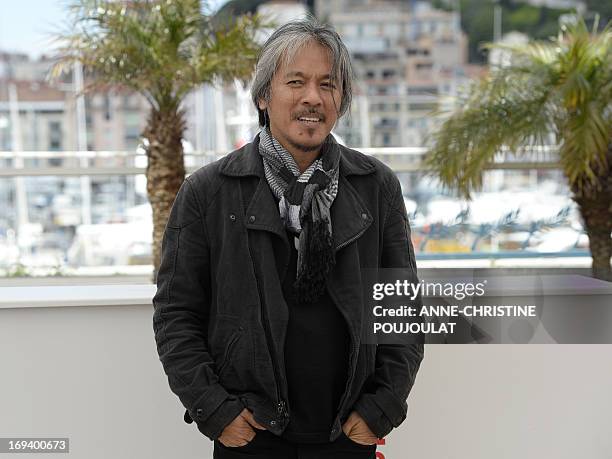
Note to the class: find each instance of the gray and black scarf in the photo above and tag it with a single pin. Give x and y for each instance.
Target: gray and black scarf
(305, 200)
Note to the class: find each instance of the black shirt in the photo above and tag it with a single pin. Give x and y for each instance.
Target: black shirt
(316, 361)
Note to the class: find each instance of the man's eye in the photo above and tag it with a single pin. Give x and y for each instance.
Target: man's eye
(295, 82)
(329, 85)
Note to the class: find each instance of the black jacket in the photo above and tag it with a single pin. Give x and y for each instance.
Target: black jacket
(220, 316)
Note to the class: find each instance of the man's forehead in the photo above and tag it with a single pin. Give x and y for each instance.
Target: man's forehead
(304, 74)
(289, 65)
(293, 69)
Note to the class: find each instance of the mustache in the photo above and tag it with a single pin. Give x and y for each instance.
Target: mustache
(310, 114)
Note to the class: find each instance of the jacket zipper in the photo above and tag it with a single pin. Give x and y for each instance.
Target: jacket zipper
(353, 338)
(280, 405)
(348, 241)
(354, 350)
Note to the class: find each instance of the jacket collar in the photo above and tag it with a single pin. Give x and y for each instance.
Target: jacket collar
(247, 161)
(350, 217)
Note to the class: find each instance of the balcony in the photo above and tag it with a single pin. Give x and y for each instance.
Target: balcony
(70, 207)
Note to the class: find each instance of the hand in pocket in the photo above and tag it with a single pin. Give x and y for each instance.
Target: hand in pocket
(240, 431)
(356, 429)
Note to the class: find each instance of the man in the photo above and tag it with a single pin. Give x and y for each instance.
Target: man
(259, 309)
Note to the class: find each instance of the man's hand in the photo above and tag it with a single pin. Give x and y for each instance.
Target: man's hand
(240, 431)
(357, 430)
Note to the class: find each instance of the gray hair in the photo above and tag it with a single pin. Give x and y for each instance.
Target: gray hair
(282, 46)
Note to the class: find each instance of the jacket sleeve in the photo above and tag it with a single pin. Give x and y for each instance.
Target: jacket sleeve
(180, 318)
(385, 407)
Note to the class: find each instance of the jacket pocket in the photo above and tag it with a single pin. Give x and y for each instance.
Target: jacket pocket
(229, 350)
(354, 443)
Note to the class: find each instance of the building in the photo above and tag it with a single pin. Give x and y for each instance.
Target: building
(113, 119)
(407, 55)
(37, 115)
(42, 112)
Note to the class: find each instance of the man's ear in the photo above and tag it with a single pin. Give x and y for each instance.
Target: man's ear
(262, 104)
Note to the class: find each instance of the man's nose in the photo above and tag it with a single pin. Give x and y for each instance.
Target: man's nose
(312, 94)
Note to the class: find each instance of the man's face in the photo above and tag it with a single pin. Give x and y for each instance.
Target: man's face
(303, 100)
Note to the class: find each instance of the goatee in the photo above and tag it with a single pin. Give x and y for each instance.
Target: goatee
(305, 148)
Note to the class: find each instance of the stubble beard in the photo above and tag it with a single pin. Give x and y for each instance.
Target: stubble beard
(304, 148)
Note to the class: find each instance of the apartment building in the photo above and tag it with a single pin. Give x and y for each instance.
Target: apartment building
(47, 112)
(407, 56)
(36, 115)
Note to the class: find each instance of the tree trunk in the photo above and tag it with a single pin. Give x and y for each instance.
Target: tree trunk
(165, 170)
(595, 204)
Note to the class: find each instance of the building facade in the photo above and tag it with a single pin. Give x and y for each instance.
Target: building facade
(407, 57)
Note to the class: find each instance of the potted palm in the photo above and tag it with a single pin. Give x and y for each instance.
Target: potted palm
(560, 88)
(162, 50)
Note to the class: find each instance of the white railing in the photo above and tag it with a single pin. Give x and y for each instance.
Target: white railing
(400, 159)
(18, 253)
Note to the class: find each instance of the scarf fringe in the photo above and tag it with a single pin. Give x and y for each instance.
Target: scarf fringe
(319, 258)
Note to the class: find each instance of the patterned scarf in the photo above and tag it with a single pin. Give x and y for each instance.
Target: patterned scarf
(305, 200)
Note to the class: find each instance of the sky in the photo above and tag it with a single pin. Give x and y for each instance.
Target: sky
(25, 25)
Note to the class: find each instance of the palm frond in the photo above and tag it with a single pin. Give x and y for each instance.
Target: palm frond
(584, 87)
(216, 55)
(508, 108)
(561, 88)
(535, 52)
(160, 48)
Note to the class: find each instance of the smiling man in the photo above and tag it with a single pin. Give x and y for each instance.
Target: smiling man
(305, 105)
(259, 307)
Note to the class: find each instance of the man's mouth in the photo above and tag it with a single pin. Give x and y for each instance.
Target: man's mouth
(309, 119)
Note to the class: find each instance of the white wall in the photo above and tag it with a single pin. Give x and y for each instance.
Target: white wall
(91, 373)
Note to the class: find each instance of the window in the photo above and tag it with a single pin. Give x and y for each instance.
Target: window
(417, 52)
(422, 107)
(107, 107)
(389, 122)
(55, 135)
(424, 66)
(132, 131)
(422, 90)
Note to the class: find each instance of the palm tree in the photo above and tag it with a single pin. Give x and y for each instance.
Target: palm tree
(162, 50)
(560, 88)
